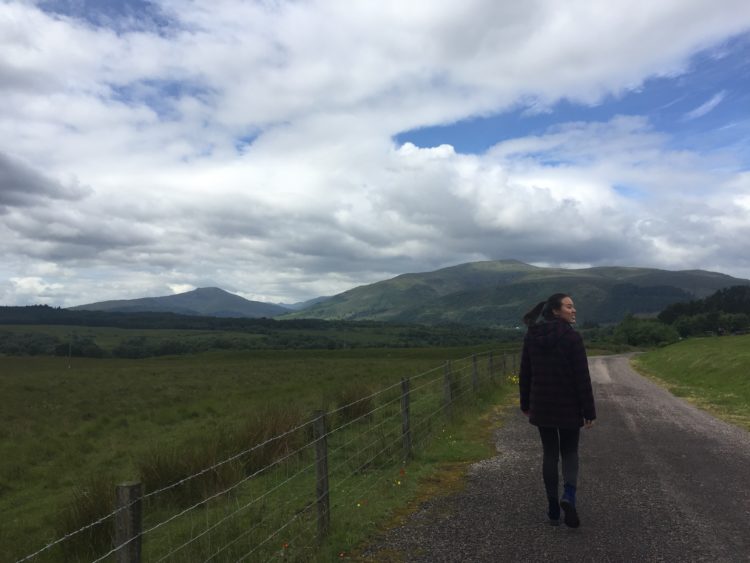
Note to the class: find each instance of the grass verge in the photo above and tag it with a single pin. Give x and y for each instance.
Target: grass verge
(437, 470)
(711, 373)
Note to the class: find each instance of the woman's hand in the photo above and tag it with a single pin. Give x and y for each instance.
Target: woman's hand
(588, 423)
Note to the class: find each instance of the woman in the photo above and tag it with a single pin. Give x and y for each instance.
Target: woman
(556, 395)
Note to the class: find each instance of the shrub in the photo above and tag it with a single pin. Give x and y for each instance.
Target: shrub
(644, 332)
(27, 344)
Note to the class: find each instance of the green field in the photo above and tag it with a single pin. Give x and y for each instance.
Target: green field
(713, 373)
(70, 425)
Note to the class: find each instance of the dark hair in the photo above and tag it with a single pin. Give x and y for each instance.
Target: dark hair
(545, 309)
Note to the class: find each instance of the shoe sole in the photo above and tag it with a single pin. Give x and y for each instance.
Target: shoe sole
(571, 514)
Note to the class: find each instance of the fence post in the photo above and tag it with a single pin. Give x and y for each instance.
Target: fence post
(474, 374)
(447, 388)
(505, 364)
(128, 523)
(405, 422)
(321, 472)
(490, 367)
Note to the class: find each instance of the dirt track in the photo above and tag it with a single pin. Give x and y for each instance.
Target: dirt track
(659, 481)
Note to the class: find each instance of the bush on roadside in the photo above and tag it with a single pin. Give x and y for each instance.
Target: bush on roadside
(644, 332)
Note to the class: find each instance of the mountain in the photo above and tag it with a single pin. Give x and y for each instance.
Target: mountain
(205, 301)
(301, 305)
(497, 293)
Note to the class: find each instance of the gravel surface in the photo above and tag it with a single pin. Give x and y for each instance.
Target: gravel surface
(659, 481)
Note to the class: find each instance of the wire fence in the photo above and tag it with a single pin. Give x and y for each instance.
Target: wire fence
(275, 500)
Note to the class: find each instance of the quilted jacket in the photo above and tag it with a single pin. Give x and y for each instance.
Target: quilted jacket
(555, 384)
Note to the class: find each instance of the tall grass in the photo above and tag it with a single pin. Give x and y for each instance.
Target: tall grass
(353, 402)
(198, 412)
(91, 501)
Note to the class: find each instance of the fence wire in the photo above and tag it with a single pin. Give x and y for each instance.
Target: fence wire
(372, 439)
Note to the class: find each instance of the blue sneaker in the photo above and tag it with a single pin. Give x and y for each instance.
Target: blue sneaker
(568, 504)
(553, 511)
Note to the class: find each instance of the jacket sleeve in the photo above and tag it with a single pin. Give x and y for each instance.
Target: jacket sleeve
(580, 365)
(524, 378)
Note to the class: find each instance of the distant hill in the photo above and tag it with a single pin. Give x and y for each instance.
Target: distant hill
(301, 305)
(497, 293)
(206, 301)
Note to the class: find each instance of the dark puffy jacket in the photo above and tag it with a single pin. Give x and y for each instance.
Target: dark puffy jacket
(555, 383)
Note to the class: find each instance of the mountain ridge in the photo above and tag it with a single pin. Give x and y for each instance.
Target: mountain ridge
(492, 293)
(206, 301)
(497, 293)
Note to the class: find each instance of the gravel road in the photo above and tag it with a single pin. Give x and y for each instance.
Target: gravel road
(659, 481)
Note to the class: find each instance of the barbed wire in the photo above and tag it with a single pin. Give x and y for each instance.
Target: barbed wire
(334, 469)
(255, 500)
(268, 493)
(265, 517)
(449, 365)
(68, 536)
(385, 448)
(207, 499)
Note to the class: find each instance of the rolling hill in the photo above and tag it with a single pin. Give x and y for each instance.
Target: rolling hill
(491, 293)
(497, 293)
(206, 301)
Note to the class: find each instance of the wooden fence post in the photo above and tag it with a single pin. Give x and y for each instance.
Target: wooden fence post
(505, 364)
(490, 367)
(321, 472)
(128, 523)
(405, 422)
(447, 390)
(474, 374)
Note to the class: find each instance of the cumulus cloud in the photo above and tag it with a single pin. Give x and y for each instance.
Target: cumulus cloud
(249, 145)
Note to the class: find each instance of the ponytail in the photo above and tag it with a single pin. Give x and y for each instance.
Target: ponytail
(530, 317)
(545, 309)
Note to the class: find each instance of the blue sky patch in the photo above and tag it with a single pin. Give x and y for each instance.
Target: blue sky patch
(710, 99)
(159, 95)
(120, 15)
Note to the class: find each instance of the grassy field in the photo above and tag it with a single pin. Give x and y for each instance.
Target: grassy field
(71, 425)
(711, 372)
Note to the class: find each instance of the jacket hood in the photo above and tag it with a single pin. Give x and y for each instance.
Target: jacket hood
(548, 333)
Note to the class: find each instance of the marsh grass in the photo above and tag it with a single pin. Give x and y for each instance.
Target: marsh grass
(353, 401)
(188, 474)
(91, 501)
(164, 420)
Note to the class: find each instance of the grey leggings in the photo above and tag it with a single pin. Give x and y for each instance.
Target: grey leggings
(559, 442)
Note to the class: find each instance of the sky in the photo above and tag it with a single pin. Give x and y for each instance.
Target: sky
(285, 150)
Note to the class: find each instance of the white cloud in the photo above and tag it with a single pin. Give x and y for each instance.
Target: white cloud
(706, 107)
(132, 139)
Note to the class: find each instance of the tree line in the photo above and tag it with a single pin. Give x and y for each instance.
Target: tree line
(212, 333)
(727, 311)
